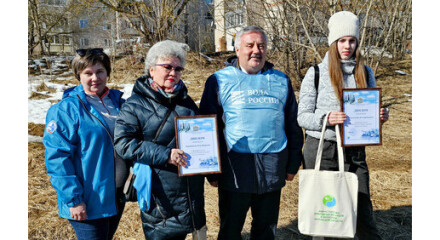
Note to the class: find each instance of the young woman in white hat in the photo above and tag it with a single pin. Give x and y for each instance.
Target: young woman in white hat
(342, 67)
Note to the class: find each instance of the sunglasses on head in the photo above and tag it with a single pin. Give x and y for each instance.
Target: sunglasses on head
(83, 51)
(169, 67)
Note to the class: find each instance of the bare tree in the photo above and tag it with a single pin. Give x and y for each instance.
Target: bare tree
(35, 34)
(48, 21)
(154, 20)
(298, 29)
(41, 24)
(295, 31)
(388, 27)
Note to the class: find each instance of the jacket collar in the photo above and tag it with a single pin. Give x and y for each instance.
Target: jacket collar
(115, 95)
(347, 66)
(143, 88)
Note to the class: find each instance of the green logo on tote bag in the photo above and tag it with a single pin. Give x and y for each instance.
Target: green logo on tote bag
(329, 201)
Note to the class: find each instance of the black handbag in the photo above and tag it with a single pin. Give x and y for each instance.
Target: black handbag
(130, 193)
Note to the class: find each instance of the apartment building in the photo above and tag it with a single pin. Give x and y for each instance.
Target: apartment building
(97, 26)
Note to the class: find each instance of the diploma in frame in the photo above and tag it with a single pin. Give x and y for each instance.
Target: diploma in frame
(362, 107)
(197, 137)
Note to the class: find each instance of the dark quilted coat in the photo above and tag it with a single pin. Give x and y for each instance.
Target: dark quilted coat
(142, 135)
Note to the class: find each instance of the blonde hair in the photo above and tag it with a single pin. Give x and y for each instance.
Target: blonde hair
(335, 71)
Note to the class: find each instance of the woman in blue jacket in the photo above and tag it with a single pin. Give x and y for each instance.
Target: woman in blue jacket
(80, 158)
(145, 135)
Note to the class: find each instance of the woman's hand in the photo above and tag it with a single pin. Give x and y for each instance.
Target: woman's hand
(384, 115)
(79, 212)
(177, 157)
(336, 118)
(290, 177)
(213, 183)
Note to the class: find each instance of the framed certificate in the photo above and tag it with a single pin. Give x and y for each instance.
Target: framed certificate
(362, 107)
(197, 137)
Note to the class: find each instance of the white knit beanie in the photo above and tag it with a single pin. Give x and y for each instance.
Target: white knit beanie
(343, 24)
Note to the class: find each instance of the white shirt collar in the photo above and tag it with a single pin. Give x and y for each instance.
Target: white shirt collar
(243, 70)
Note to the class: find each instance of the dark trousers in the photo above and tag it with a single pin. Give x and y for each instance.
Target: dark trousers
(233, 207)
(354, 162)
(98, 229)
(182, 237)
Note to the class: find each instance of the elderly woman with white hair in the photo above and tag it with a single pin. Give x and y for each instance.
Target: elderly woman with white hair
(145, 135)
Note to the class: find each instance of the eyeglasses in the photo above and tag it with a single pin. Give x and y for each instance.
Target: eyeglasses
(168, 68)
(93, 51)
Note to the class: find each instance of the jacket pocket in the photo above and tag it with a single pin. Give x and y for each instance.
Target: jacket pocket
(154, 216)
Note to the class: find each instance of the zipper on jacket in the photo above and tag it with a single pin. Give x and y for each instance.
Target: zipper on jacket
(160, 212)
(114, 151)
(190, 205)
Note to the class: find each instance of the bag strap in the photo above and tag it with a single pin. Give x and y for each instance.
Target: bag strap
(321, 145)
(340, 149)
(366, 74)
(159, 130)
(316, 78)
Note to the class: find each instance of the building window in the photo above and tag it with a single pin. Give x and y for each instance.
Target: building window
(107, 42)
(151, 28)
(55, 2)
(66, 40)
(138, 24)
(56, 39)
(83, 23)
(49, 39)
(126, 25)
(84, 42)
(59, 39)
(107, 26)
(208, 15)
(234, 19)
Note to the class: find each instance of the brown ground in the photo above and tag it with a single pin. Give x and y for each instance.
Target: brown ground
(390, 166)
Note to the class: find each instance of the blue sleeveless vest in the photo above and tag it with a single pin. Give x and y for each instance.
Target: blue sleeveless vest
(253, 107)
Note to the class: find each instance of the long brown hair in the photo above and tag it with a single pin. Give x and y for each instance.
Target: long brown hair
(335, 71)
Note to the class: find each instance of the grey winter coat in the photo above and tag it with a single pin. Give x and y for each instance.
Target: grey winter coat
(311, 110)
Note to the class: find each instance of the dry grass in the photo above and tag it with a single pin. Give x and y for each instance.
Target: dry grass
(36, 129)
(37, 96)
(72, 80)
(126, 70)
(44, 88)
(390, 166)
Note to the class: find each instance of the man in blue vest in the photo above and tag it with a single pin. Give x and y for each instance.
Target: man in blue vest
(259, 137)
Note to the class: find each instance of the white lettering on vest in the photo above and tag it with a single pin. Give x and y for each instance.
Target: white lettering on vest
(263, 100)
(256, 92)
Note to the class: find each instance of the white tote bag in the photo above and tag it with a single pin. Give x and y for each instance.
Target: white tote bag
(327, 204)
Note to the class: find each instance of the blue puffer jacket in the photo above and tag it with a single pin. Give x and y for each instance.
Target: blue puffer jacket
(254, 171)
(79, 155)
